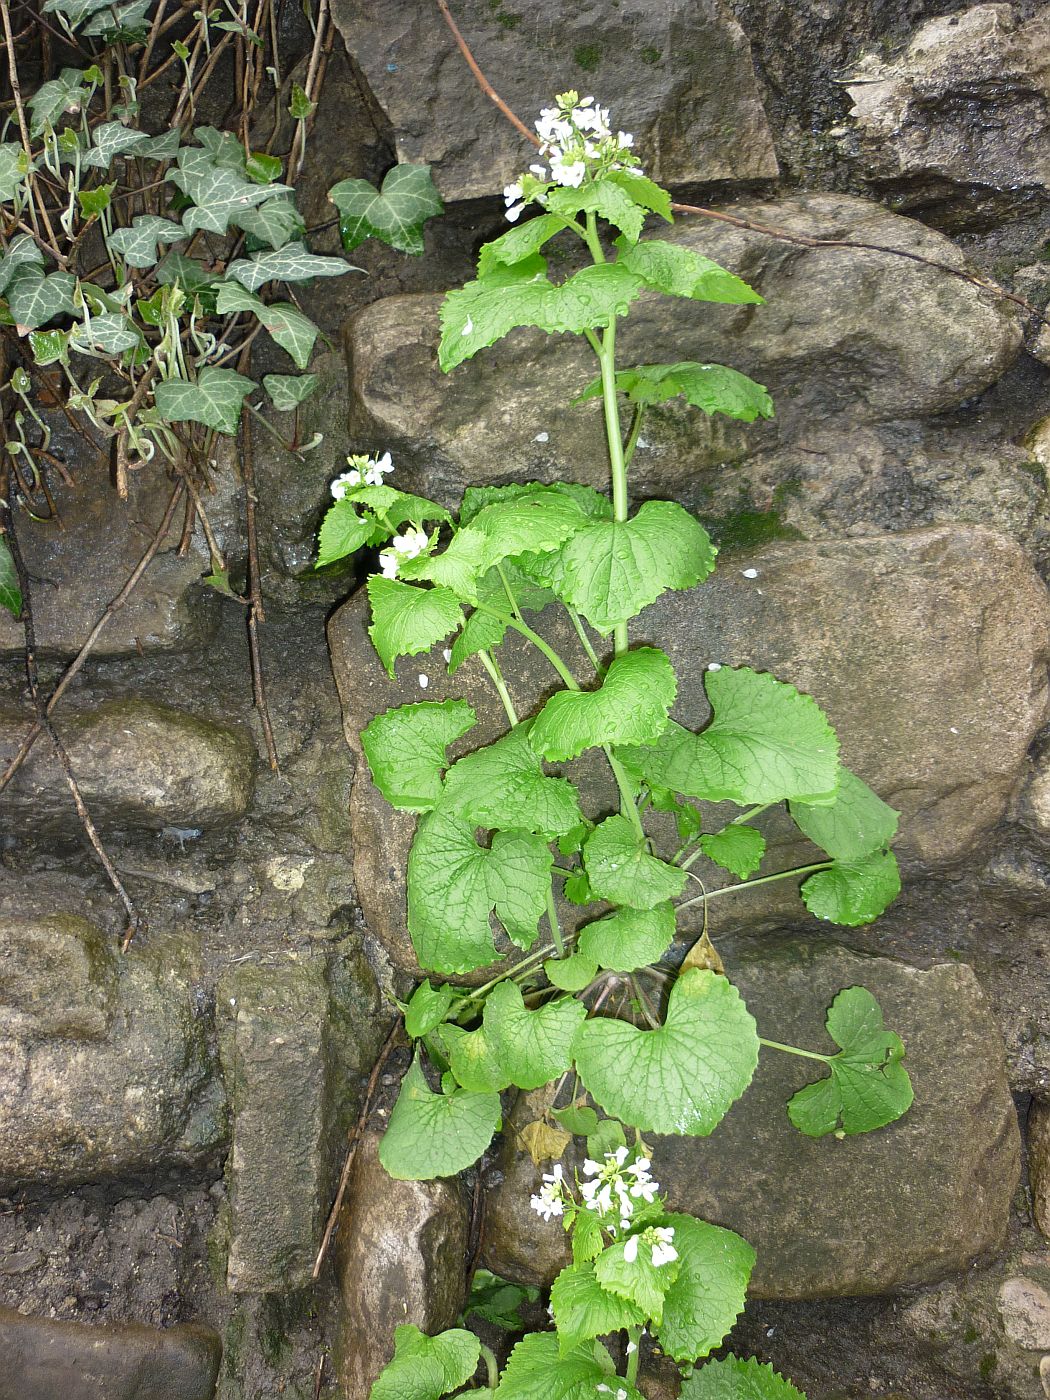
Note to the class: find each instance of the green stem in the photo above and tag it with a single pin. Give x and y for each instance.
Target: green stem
(585, 641)
(765, 880)
(496, 677)
(510, 595)
(634, 1335)
(614, 439)
(751, 812)
(491, 1366)
(632, 440)
(552, 916)
(793, 1050)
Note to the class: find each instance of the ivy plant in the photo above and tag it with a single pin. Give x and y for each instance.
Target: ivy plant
(512, 556)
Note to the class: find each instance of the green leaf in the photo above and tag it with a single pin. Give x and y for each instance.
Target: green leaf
(708, 1295)
(613, 569)
(854, 824)
(535, 521)
(587, 1239)
(454, 884)
(188, 273)
(49, 346)
(292, 263)
(427, 1008)
(426, 1368)
(766, 742)
(620, 868)
(714, 388)
(532, 1047)
(456, 568)
(637, 1280)
(682, 1077)
(583, 1309)
(473, 1060)
(498, 1301)
(868, 1086)
(483, 630)
(536, 1370)
(682, 273)
(570, 974)
(343, 532)
(217, 192)
(407, 620)
(406, 750)
(734, 1379)
(516, 244)
(577, 1118)
(630, 706)
(287, 325)
(109, 334)
(138, 245)
(288, 391)
(606, 198)
(738, 849)
(274, 223)
(66, 93)
(606, 1138)
(630, 938)
(300, 107)
(396, 216)
(109, 140)
(261, 168)
(644, 192)
(13, 170)
(432, 1134)
(214, 400)
(853, 892)
(476, 498)
(10, 593)
(504, 786)
(34, 299)
(486, 310)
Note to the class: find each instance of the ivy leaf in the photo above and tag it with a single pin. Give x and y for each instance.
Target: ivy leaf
(473, 1060)
(217, 192)
(287, 325)
(637, 1280)
(34, 299)
(853, 892)
(856, 823)
(119, 22)
(396, 216)
(536, 1370)
(109, 334)
(629, 939)
(292, 263)
(682, 1077)
(682, 273)
(606, 198)
(138, 245)
(484, 311)
(504, 786)
(161, 147)
(274, 223)
(426, 1368)
(454, 884)
(766, 742)
(215, 399)
(21, 253)
(66, 93)
(10, 593)
(708, 1295)
(49, 346)
(427, 1008)
(13, 170)
(583, 1309)
(532, 1047)
(516, 244)
(300, 107)
(497, 1300)
(432, 1134)
(868, 1086)
(630, 706)
(714, 388)
(734, 1379)
(407, 620)
(620, 868)
(738, 849)
(613, 569)
(188, 273)
(406, 750)
(288, 391)
(109, 140)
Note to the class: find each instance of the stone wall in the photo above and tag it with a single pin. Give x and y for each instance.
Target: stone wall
(173, 1118)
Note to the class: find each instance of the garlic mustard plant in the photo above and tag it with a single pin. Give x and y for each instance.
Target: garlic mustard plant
(506, 852)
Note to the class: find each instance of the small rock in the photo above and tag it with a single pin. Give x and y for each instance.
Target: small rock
(1024, 1307)
(58, 977)
(43, 1360)
(401, 1256)
(138, 765)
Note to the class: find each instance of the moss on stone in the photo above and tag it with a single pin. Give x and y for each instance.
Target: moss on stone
(587, 57)
(749, 529)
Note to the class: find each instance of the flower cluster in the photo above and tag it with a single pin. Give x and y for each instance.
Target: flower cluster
(660, 1239)
(616, 1184)
(578, 144)
(404, 546)
(550, 1200)
(364, 471)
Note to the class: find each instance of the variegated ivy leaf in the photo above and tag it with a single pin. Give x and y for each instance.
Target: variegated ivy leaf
(13, 170)
(74, 12)
(66, 93)
(214, 399)
(139, 244)
(34, 299)
(109, 334)
(218, 193)
(395, 215)
(274, 223)
(191, 275)
(713, 388)
(288, 391)
(10, 593)
(292, 263)
(128, 19)
(287, 325)
(21, 252)
(109, 140)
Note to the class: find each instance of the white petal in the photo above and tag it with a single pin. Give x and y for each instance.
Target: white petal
(630, 1249)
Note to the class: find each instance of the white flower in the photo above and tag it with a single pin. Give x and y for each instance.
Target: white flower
(388, 563)
(620, 1155)
(664, 1251)
(342, 484)
(377, 468)
(405, 546)
(625, 140)
(630, 1249)
(512, 195)
(591, 1167)
(548, 1201)
(571, 175)
(540, 171)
